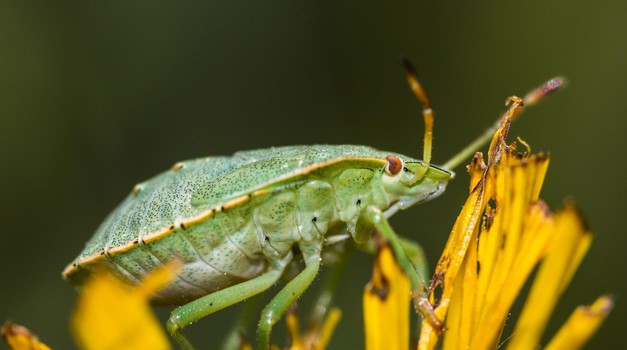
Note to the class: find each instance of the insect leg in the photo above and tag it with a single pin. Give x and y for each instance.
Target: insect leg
(374, 215)
(191, 312)
(324, 300)
(277, 307)
(363, 231)
(416, 254)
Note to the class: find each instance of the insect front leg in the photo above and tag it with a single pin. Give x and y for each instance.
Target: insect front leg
(372, 217)
(416, 254)
(277, 307)
(191, 312)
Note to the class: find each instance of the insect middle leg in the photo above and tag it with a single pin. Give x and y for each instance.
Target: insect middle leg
(191, 312)
(277, 307)
(324, 301)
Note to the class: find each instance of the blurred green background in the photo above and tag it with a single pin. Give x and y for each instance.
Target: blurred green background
(97, 96)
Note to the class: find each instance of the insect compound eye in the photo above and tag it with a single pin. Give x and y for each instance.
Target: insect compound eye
(394, 166)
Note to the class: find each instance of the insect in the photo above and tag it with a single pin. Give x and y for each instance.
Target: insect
(234, 221)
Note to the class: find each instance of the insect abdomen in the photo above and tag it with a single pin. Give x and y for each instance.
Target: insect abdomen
(217, 252)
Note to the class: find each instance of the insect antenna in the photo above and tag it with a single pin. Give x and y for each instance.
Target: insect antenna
(532, 98)
(427, 114)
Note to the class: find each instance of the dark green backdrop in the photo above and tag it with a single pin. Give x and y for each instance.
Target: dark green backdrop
(96, 96)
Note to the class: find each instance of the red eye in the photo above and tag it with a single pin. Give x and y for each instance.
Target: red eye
(394, 165)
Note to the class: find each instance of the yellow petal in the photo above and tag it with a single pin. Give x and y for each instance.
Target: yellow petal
(113, 315)
(570, 242)
(581, 325)
(495, 305)
(459, 318)
(20, 338)
(386, 304)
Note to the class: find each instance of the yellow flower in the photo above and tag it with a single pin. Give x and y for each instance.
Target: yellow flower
(113, 315)
(502, 233)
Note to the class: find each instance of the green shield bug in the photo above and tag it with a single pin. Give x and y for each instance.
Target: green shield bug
(234, 221)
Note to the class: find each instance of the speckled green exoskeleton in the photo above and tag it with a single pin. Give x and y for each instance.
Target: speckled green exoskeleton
(234, 221)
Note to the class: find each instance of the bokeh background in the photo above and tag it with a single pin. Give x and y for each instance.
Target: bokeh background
(96, 96)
